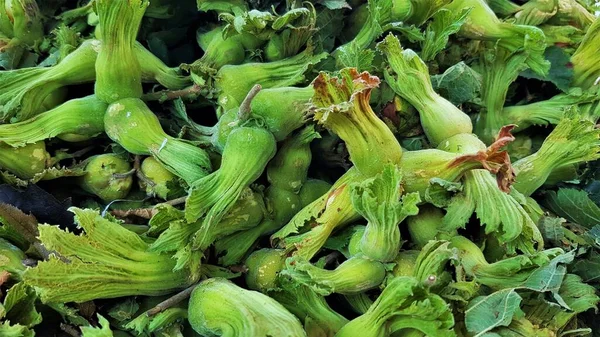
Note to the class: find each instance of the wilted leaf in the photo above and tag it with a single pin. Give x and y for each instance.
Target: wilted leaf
(42, 205)
(24, 224)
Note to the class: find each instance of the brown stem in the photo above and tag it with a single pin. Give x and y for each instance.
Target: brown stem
(169, 95)
(175, 202)
(124, 175)
(245, 110)
(145, 213)
(171, 301)
(141, 176)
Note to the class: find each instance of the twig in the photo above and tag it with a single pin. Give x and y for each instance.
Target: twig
(44, 253)
(69, 330)
(124, 175)
(145, 213)
(169, 95)
(239, 269)
(244, 111)
(331, 257)
(171, 301)
(138, 172)
(175, 202)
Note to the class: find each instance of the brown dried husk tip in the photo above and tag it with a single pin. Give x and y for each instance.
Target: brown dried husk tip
(341, 104)
(494, 159)
(363, 83)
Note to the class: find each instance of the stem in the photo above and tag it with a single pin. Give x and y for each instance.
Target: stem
(71, 331)
(169, 95)
(171, 301)
(124, 175)
(245, 110)
(141, 176)
(145, 213)
(175, 202)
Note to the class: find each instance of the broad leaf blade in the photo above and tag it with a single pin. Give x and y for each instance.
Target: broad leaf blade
(573, 205)
(489, 312)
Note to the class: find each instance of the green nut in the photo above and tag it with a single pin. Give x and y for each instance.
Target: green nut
(26, 161)
(106, 177)
(159, 176)
(263, 268)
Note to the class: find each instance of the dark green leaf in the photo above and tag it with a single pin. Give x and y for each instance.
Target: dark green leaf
(330, 24)
(458, 84)
(561, 70)
(124, 311)
(552, 229)
(588, 267)
(489, 312)
(573, 205)
(20, 306)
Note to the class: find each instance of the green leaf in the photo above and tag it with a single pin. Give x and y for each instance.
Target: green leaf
(500, 212)
(102, 331)
(162, 218)
(380, 201)
(550, 277)
(211, 271)
(287, 18)
(24, 224)
(68, 314)
(410, 32)
(355, 57)
(486, 313)
(11, 57)
(561, 70)
(440, 192)
(20, 305)
(431, 317)
(334, 4)
(144, 323)
(17, 330)
(593, 236)
(444, 24)
(107, 261)
(220, 5)
(588, 267)
(573, 205)
(330, 25)
(552, 229)
(125, 310)
(458, 213)
(432, 261)
(458, 84)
